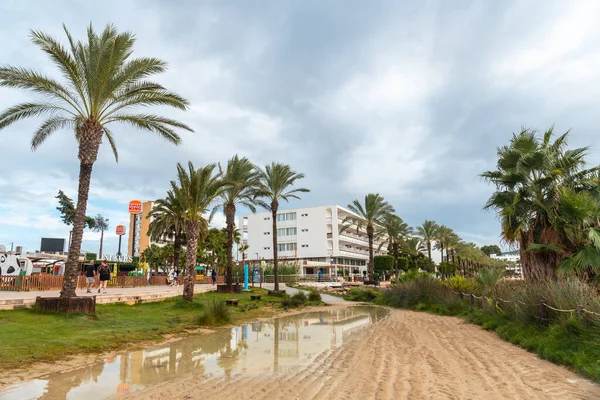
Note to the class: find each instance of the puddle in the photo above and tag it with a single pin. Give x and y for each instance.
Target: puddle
(279, 346)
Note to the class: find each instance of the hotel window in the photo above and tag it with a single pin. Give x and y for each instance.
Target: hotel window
(286, 231)
(286, 246)
(286, 217)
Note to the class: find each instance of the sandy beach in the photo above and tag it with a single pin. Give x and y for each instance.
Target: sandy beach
(407, 356)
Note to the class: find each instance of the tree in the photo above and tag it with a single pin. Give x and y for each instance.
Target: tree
(276, 182)
(442, 233)
(242, 188)
(384, 264)
(154, 256)
(491, 249)
(533, 173)
(168, 221)
(413, 248)
(100, 225)
(428, 232)
(196, 189)
(370, 215)
(394, 230)
(67, 211)
(102, 85)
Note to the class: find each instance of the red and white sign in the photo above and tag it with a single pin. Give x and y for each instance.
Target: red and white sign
(120, 230)
(135, 207)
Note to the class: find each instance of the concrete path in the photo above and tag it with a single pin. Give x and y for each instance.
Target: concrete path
(292, 291)
(11, 300)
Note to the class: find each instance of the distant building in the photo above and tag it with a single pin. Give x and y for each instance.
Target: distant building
(310, 237)
(514, 256)
(139, 224)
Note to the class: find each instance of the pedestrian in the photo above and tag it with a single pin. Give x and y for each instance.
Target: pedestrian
(170, 277)
(104, 273)
(319, 274)
(176, 277)
(90, 276)
(214, 276)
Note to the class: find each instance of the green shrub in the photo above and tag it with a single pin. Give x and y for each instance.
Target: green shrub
(314, 296)
(459, 283)
(410, 275)
(383, 264)
(215, 313)
(488, 278)
(363, 294)
(300, 296)
(424, 290)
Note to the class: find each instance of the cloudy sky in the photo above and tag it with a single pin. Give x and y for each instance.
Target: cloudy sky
(409, 99)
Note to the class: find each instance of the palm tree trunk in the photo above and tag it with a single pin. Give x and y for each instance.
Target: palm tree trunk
(429, 249)
(371, 265)
(395, 250)
(71, 268)
(176, 250)
(193, 231)
(230, 221)
(274, 207)
(101, 241)
(90, 138)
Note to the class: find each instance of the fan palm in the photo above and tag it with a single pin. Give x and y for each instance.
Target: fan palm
(276, 184)
(242, 180)
(102, 86)
(394, 230)
(196, 190)
(168, 220)
(412, 247)
(531, 173)
(370, 215)
(427, 232)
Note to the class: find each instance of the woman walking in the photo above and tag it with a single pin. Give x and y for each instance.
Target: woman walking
(104, 272)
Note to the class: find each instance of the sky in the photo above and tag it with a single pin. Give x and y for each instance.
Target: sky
(403, 98)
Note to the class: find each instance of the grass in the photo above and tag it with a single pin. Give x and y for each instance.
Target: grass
(28, 337)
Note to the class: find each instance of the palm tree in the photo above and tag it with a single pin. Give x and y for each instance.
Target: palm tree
(100, 225)
(242, 179)
(370, 215)
(394, 230)
(168, 221)
(196, 190)
(276, 182)
(427, 232)
(102, 85)
(530, 177)
(441, 237)
(413, 247)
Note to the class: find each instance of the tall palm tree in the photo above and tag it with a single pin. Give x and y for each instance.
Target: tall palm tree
(413, 247)
(370, 215)
(394, 230)
(168, 220)
(276, 184)
(452, 243)
(102, 85)
(100, 225)
(427, 232)
(531, 174)
(243, 183)
(441, 237)
(196, 190)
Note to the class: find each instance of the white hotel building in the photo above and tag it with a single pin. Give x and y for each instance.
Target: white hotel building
(309, 236)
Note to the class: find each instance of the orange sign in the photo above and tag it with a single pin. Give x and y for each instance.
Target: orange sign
(135, 207)
(120, 230)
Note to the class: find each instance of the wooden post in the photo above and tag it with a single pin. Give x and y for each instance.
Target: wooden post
(544, 312)
(484, 302)
(578, 308)
(472, 301)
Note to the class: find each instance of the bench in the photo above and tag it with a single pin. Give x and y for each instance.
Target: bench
(232, 302)
(255, 297)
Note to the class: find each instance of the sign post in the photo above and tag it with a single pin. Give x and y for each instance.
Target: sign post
(246, 277)
(135, 209)
(120, 231)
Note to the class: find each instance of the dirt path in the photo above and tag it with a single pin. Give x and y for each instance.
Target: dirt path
(407, 356)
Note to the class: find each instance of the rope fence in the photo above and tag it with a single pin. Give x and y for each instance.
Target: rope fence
(543, 306)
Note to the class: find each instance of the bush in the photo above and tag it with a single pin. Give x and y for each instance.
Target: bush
(383, 264)
(301, 296)
(215, 313)
(412, 274)
(363, 294)
(488, 278)
(314, 296)
(423, 290)
(459, 283)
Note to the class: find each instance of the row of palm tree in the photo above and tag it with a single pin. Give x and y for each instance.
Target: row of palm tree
(198, 193)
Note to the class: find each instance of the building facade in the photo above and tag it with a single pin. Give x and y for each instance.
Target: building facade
(139, 224)
(311, 237)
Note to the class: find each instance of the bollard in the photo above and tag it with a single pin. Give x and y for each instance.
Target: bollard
(472, 301)
(484, 300)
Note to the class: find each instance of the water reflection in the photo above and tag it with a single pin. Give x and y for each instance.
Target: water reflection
(279, 346)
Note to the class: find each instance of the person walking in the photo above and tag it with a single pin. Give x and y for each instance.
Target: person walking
(104, 273)
(170, 276)
(176, 277)
(214, 276)
(320, 274)
(90, 275)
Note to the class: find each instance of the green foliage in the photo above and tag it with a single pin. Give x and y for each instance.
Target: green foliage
(460, 284)
(66, 207)
(410, 275)
(215, 313)
(155, 256)
(362, 294)
(446, 268)
(422, 290)
(383, 264)
(403, 264)
(300, 296)
(90, 256)
(491, 249)
(283, 268)
(314, 296)
(488, 278)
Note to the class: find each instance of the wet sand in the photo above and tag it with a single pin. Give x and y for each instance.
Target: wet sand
(407, 356)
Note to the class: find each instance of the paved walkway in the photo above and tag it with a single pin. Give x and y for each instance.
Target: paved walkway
(292, 291)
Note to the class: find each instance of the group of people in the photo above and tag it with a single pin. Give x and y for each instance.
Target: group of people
(173, 277)
(103, 271)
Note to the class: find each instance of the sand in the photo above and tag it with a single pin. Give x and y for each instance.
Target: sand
(407, 356)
